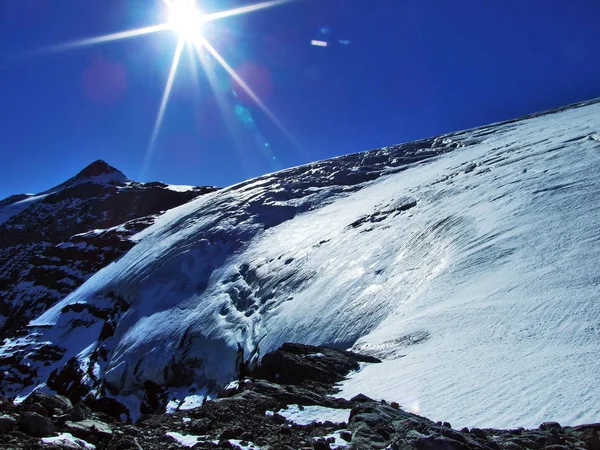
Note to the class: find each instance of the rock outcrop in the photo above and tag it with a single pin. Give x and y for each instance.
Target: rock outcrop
(268, 409)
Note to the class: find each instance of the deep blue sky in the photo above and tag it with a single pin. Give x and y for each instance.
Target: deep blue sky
(412, 69)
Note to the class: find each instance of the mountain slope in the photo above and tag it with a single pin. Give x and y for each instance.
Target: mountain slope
(47, 248)
(466, 262)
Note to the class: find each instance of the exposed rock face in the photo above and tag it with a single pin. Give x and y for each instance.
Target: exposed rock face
(52, 242)
(296, 364)
(252, 414)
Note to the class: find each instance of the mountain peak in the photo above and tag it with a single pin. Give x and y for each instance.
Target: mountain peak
(101, 168)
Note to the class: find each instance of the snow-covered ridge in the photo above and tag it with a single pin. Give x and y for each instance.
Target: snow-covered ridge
(47, 248)
(467, 262)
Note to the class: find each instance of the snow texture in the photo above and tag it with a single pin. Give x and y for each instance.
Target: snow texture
(67, 440)
(180, 187)
(303, 415)
(468, 263)
(187, 440)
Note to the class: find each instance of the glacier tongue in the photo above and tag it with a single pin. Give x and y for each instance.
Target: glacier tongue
(468, 263)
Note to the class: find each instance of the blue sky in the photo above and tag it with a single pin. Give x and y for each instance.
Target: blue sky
(393, 71)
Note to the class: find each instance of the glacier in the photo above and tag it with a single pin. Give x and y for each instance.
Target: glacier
(468, 263)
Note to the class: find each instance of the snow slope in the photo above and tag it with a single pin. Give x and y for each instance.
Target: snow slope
(468, 263)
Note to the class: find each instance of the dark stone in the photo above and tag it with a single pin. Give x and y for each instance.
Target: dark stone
(346, 435)
(438, 443)
(590, 437)
(78, 413)
(231, 433)
(61, 419)
(109, 406)
(200, 426)
(36, 425)
(278, 418)
(510, 445)
(50, 402)
(89, 430)
(38, 408)
(479, 433)
(298, 363)
(247, 436)
(7, 424)
(360, 398)
(550, 426)
(321, 444)
(261, 441)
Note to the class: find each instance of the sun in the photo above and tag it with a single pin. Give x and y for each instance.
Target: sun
(185, 18)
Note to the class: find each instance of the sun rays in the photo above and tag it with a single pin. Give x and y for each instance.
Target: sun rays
(185, 18)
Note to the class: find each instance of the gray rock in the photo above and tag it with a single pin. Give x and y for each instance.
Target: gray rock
(321, 444)
(479, 433)
(346, 435)
(7, 424)
(550, 426)
(36, 425)
(78, 413)
(38, 408)
(50, 402)
(590, 437)
(89, 430)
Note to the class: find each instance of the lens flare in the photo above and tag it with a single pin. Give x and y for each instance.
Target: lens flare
(165, 99)
(185, 19)
(201, 41)
(244, 9)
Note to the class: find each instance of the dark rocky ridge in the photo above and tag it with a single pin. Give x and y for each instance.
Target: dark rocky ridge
(239, 416)
(66, 234)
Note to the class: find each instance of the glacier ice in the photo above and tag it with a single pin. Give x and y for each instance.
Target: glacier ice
(468, 263)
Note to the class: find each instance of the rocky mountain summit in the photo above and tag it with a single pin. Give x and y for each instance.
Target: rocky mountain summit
(288, 402)
(52, 242)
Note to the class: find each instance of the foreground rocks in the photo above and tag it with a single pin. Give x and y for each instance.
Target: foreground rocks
(251, 413)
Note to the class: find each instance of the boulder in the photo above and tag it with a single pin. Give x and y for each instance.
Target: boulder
(299, 363)
(36, 425)
(231, 433)
(7, 424)
(89, 430)
(321, 444)
(109, 406)
(50, 402)
(78, 413)
(38, 408)
(479, 433)
(550, 426)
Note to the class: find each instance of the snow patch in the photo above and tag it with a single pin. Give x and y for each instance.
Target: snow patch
(180, 187)
(67, 440)
(304, 415)
(187, 440)
(335, 440)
